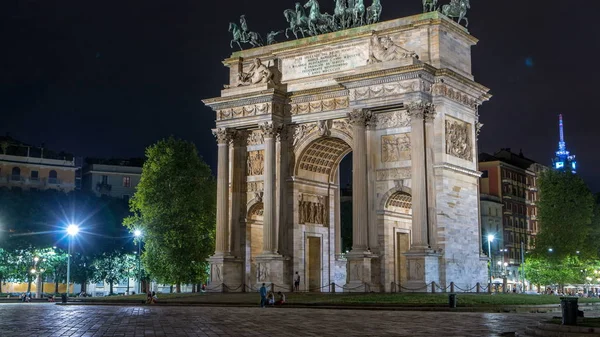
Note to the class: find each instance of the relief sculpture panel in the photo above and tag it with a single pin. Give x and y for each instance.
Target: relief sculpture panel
(256, 163)
(395, 147)
(313, 209)
(458, 139)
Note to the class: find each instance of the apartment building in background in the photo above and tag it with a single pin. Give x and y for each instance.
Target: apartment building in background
(27, 167)
(508, 196)
(112, 177)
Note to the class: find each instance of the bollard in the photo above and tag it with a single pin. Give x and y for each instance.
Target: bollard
(63, 298)
(432, 287)
(478, 287)
(332, 287)
(273, 287)
(451, 287)
(569, 309)
(452, 300)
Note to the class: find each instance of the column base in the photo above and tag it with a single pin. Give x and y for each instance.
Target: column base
(226, 274)
(423, 268)
(272, 269)
(358, 272)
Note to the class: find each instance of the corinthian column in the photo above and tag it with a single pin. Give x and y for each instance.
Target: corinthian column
(223, 136)
(420, 226)
(238, 168)
(358, 118)
(269, 227)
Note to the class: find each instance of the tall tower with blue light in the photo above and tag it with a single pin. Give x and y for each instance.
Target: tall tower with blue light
(563, 161)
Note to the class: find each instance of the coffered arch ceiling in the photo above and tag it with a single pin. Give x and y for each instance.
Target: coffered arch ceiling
(320, 159)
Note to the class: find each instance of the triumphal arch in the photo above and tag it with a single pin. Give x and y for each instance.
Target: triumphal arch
(397, 94)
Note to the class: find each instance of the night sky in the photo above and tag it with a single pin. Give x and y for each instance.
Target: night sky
(107, 78)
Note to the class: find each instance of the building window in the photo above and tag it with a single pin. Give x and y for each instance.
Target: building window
(104, 180)
(16, 174)
(484, 174)
(126, 181)
(35, 175)
(53, 177)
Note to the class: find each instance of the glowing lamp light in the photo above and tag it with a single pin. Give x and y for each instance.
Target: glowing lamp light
(72, 230)
(550, 250)
(490, 238)
(36, 259)
(499, 263)
(33, 271)
(137, 233)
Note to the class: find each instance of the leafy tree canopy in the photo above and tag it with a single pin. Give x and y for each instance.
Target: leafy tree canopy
(174, 206)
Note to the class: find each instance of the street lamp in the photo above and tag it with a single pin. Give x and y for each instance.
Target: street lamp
(550, 250)
(72, 230)
(490, 239)
(138, 235)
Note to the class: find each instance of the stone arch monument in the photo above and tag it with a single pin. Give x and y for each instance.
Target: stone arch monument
(400, 96)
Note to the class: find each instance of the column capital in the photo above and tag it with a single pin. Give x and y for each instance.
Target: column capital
(270, 129)
(238, 138)
(360, 117)
(223, 135)
(421, 110)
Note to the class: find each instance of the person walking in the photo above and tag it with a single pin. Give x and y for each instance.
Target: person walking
(263, 295)
(297, 282)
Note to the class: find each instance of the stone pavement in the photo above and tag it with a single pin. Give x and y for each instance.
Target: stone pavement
(39, 320)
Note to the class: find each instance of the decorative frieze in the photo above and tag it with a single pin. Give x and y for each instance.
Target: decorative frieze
(254, 186)
(250, 110)
(383, 90)
(312, 209)
(394, 174)
(320, 106)
(395, 147)
(394, 119)
(458, 139)
(455, 95)
(255, 163)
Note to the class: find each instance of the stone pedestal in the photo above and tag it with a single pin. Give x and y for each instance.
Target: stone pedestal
(423, 268)
(358, 272)
(272, 269)
(226, 274)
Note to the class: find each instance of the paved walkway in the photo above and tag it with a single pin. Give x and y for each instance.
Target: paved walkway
(32, 319)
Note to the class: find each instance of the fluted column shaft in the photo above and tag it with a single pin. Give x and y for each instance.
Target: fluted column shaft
(420, 223)
(222, 235)
(269, 225)
(358, 119)
(238, 156)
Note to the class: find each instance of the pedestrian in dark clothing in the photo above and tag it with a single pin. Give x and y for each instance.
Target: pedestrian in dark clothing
(263, 296)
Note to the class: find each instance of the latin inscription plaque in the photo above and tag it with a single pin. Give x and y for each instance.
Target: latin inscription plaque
(325, 61)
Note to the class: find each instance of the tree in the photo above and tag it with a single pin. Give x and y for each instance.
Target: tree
(551, 271)
(112, 267)
(174, 206)
(565, 213)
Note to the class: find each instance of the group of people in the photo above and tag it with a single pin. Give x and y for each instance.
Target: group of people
(151, 298)
(25, 297)
(268, 298)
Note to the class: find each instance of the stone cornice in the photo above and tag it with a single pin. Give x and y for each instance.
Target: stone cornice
(390, 75)
(459, 169)
(321, 93)
(265, 96)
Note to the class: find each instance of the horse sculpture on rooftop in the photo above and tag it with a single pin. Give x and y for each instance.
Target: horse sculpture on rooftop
(457, 9)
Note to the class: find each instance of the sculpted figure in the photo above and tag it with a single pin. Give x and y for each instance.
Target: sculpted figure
(429, 5)
(384, 49)
(374, 12)
(271, 36)
(258, 73)
(457, 9)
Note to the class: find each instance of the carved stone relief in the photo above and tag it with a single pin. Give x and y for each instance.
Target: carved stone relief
(342, 125)
(384, 49)
(257, 73)
(256, 137)
(255, 186)
(395, 147)
(383, 90)
(395, 119)
(255, 163)
(320, 106)
(313, 209)
(262, 272)
(394, 174)
(302, 130)
(458, 139)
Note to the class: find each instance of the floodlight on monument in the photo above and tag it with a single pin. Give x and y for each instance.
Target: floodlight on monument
(72, 230)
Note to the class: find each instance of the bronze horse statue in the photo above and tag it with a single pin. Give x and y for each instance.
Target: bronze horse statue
(457, 9)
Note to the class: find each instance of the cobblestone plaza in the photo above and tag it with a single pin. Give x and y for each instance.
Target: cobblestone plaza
(40, 320)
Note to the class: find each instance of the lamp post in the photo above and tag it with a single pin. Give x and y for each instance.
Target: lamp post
(490, 239)
(72, 230)
(138, 235)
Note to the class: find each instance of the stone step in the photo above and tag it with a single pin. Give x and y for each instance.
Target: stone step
(555, 330)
